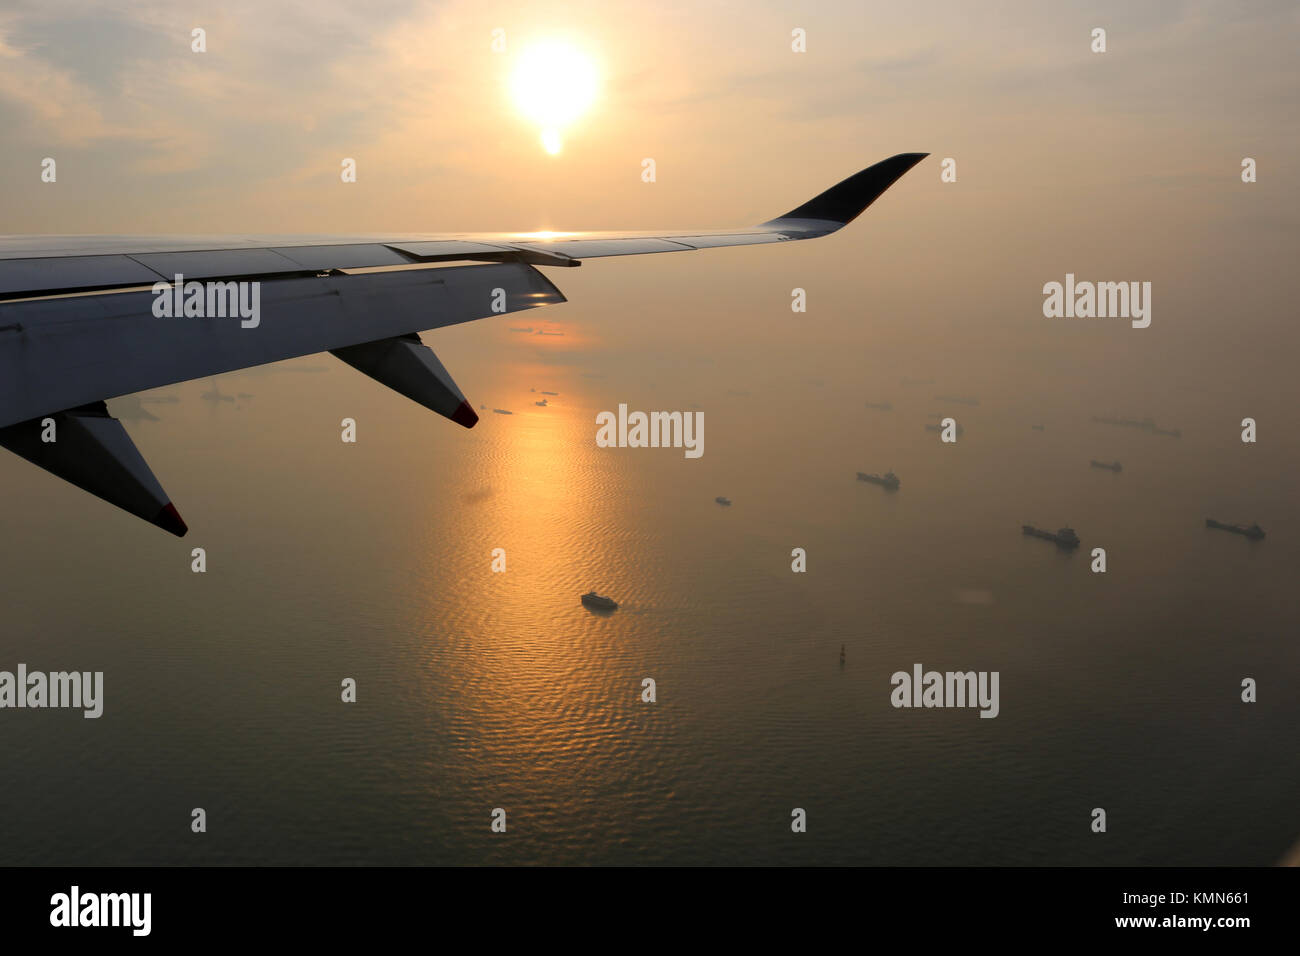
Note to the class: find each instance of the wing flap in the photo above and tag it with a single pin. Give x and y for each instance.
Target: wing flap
(449, 248)
(597, 248)
(730, 239)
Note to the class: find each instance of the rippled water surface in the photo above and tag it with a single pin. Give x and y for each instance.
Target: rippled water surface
(479, 690)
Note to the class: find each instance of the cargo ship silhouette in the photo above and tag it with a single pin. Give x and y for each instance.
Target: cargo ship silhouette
(1254, 532)
(888, 480)
(1064, 537)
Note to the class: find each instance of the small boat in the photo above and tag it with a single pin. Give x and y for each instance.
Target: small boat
(889, 480)
(1108, 465)
(722, 501)
(599, 602)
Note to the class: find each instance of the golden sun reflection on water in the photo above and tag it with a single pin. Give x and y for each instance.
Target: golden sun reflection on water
(520, 674)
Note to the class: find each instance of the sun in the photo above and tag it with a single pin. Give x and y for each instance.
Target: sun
(553, 84)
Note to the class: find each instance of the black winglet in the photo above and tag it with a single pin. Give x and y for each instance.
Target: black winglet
(845, 201)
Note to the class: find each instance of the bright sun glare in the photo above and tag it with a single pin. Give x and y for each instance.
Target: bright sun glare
(553, 84)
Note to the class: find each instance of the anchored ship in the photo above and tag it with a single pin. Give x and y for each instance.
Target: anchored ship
(887, 480)
(1065, 537)
(722, 501)
(1254, 532)
(599, 601)
(1108, 465)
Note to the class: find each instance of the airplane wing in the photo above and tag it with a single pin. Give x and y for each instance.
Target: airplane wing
(87, 318)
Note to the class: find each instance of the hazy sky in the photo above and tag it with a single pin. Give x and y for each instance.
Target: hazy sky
(1116, 166)
(248, 136)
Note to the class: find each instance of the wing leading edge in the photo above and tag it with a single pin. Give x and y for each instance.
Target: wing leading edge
(80, 323)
